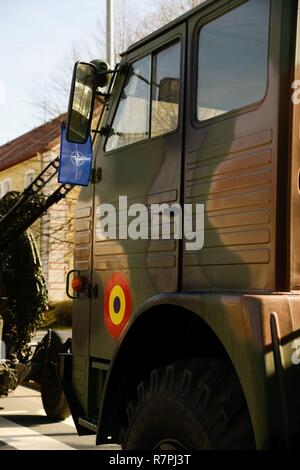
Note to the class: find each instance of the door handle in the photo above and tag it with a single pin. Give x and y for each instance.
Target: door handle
(95, 291)
(88, 291)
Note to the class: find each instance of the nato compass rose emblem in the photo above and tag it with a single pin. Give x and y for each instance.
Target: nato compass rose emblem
(78, 159)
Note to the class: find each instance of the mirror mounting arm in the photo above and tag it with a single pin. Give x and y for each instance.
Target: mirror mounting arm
(101, 74)
(112, 71)
(103, 131)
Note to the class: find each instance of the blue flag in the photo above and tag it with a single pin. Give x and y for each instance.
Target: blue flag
(75, 161)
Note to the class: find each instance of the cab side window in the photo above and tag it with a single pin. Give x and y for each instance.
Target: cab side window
(233, 60)
(131, 122)
(166, 90)
(152, 88)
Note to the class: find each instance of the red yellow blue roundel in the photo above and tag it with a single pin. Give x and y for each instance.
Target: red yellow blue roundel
(117, 304)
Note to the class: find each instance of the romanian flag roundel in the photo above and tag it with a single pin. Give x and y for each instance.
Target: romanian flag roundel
(117, 304)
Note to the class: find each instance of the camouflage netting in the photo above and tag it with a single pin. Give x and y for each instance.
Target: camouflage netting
(8, 379)
(23, 280)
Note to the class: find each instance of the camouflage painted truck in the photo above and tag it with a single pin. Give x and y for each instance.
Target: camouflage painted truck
(184, 349)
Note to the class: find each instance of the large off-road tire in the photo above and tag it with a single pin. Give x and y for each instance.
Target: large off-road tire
(53, 397)
(193, 405)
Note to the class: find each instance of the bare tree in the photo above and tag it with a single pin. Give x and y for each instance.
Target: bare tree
(50, 99)
(165, 11)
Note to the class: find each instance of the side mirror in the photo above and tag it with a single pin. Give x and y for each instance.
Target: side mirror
(81, 103)
(87, 77)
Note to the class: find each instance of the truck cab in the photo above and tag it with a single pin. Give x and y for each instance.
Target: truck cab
(177, 345)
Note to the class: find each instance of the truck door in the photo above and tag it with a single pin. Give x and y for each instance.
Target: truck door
(232, 141)
(140, 160)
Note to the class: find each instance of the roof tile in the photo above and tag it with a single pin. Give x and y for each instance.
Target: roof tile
(38, 140)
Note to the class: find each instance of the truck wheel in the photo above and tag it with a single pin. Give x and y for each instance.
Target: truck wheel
(53, 398)
(193, 405)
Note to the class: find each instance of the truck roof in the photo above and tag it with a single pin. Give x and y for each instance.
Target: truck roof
(167, 27)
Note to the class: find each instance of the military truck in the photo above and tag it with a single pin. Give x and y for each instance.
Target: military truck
(192, 349)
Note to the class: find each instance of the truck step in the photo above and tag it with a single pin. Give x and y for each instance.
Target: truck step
(89, 422)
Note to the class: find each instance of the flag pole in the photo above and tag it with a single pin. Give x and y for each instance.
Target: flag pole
(110, 33)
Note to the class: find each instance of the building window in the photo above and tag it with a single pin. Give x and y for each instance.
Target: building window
(29, 178)
(5, 187)
(233, 60)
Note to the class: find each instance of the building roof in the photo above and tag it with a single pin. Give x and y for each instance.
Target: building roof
(38, 140)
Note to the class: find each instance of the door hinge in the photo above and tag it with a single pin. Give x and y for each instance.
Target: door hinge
(96, 175)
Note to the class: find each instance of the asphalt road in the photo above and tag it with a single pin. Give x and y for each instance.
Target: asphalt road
(24, 426)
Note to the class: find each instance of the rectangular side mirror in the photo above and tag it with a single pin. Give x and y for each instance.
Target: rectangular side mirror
(81, 103)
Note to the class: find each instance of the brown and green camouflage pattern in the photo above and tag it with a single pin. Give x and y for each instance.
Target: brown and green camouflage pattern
(244, 285)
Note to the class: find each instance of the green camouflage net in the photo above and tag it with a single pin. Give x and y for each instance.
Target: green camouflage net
(23, 281)
(8, 379)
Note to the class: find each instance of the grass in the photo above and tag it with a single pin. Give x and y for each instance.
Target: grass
(58, 316)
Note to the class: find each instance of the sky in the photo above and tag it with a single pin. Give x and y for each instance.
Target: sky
(35, 36)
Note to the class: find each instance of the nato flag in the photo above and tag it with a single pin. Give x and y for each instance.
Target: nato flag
(75, 161)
